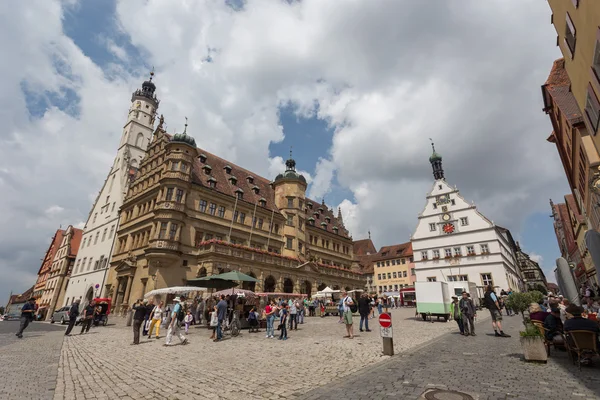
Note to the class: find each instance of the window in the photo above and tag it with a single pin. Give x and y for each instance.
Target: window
(104, 234)
(393, 262)
(432, 227)
(431, 279)
(95, 215)
(404, 274)
(457, 278)
(300, 203)
(379, 276)
(162, 234)
(212, 209)
(203, 205)
(424, 255)
(113, 206)
(77, 266)
(470, 250)
(378, 264)
(262, 202)
(485, 249)
(83, 245)
(212, 183)
(96, 237)
(436, 254)
(596, 59)
(389, 275)
(173, 231)
(434, 206)
(240, 194)
(175, 166)
(221, 211)
(169, 195)
(260, 223)
(447, 253)
(453, 202)
(457, 252)
(290, 202)
(395, 275)
(464, 221)
(242, 218)
(290, 220)
(570, 35)
(179, 195)
(396, 288)
(289, 243)
(387, 263)
(412, 271)
(486, 279)
(592, 109)
(90, 264)
(254, 222)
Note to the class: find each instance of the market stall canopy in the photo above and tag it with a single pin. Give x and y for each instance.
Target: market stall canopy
(226, 280)
(329, 290)
(174, 290)
(235, 276)
(249, 294)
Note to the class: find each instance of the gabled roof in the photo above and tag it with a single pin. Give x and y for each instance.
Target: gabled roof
(364, 247)
(51, 252)
(572, 205)
(558, 86)
(327, 212)
(75, 241)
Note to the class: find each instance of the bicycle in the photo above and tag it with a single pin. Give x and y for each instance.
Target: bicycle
(231, 328)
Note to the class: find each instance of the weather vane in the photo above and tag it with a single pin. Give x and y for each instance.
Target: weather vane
(186, 124)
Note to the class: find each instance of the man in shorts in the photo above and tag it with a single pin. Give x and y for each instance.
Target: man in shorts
(347, 314)
(491, 302)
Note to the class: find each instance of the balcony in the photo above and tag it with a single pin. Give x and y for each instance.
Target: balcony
(177, 156)
(170, 206)
(162, 245)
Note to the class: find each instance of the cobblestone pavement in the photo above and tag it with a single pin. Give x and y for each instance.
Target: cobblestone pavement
(28, 366)
(103, 364)
(485, 367)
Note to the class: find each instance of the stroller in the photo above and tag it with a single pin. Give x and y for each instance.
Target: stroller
(101, 317)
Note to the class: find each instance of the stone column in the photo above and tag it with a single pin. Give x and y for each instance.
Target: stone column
(259, 288)
(279, 285)
(115, 292)
(297, 285)
(128, 289)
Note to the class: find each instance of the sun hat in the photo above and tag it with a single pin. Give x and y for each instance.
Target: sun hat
(177, 299)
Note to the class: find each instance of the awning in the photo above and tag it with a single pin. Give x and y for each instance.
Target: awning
(281, 294)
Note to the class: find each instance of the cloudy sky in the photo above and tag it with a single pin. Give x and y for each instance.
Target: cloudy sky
(356, 87)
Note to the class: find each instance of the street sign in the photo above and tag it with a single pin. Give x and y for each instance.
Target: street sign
(385, 320)
(97, 286)
(386, 332)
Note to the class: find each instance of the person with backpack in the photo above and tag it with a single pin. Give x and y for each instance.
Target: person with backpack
(347, 305)
(138, 319)
(456, 314)
(491, 302)
(177, 317)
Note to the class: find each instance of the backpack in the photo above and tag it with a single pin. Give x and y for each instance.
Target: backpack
(353, 307)
(180, 314)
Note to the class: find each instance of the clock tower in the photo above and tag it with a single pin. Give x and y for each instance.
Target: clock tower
(453, 241)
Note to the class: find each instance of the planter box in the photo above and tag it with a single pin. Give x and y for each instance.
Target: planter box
(534, 349)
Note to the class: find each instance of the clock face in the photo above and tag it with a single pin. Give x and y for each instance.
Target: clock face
(443, 199)
(448, 228)
(446, 217)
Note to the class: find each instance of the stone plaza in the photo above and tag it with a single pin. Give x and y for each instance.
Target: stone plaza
(316, 362)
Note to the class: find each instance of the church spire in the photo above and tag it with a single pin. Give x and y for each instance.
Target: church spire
(436, 163)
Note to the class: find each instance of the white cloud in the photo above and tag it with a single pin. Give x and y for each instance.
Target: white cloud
(536, 257)
(385, 75)
(54, 210)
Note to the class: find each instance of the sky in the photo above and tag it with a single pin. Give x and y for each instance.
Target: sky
(356, 89)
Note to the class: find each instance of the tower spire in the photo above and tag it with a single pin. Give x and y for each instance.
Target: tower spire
(436, 163)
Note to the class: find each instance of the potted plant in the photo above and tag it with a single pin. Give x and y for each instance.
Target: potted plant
(532, 341)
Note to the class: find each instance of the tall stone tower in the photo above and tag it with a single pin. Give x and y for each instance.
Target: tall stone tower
(99, 234)
(290, 192)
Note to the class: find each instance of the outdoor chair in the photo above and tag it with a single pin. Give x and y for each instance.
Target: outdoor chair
(579, 342)
(548, 343)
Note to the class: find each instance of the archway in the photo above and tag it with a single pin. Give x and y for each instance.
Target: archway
(202, 272)
(306, 288)
(139, 141)
(249, 285)
(269, 285)
(321, 286)
(347, 288)
(288, 286)
(89, 296)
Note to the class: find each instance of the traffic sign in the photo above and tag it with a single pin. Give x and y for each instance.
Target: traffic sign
(385, 320)
(386, 332)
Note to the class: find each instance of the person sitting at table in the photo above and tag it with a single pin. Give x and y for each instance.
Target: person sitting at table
(554, 327)
(576, 322)
(536, 313)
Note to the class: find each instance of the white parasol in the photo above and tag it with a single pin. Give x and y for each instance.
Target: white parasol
(174, 290)
(329, 290)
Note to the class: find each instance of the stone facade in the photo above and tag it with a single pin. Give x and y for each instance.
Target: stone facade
(43, 301)
(189, 213)
(393, 268)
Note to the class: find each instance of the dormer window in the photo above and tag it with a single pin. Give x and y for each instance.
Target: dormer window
(202, 158)
(233, 180)
(324, 225)
(212, 182)
(227, 169)
(262, 202)
(255, 189)
(335, 230)
(239, 193)
(328, 219)
(309, 206)
(311, 221)
(321, 210)
(250, 179)
(207, 169)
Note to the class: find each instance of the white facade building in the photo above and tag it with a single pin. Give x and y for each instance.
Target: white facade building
(99, 234)
(455, 242)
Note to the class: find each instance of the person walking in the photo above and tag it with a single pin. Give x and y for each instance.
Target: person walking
(187, 320)
(175, 326)
(491, 302)
(347, 314)
(214, 321)
(283, 314)
(456, 314)
(467, 309)
(27, 315)
(149, 304)
(138, 318)
(293, 315)
(88, 317)
(221, 315)
(73, 314)
(364, 309)
(157, 313)
(301, 310)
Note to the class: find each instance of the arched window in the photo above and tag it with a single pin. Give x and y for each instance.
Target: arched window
(139, 141)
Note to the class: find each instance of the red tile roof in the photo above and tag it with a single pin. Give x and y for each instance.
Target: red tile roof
(75, 241)
(572, 205)
(558, 86)
(320, 217)
(395, 251)
(51, 252)
(364, 247)
(558, 74)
